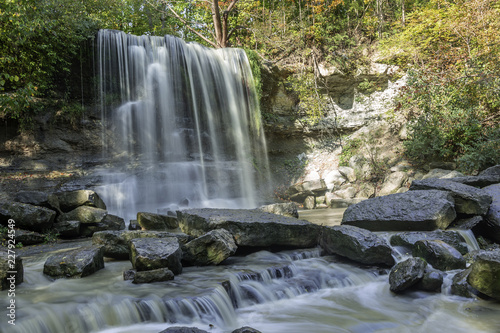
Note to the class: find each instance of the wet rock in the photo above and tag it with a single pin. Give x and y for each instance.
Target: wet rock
(153, 253)
(210, 249)
(251, 228)
(133, 225)
(471, 223)
(154, 275)
(183, 330)
(67, 229)
(158, 222)
(485, 273)
(439, 254)
(492, 217)
(393, 182)
(26, 216)
(285, 209)
(431, 281)
(460, 286)
(35, 198)
(406, 274)
(69, 200)
(29, 237)
(478, 181)
(75, 263)
(408, 239)
(357, 244)
(246, 329)
(84, 214)
(468, 199)
(116, 244)
(413, 210)
(109, 222)
(7, 265)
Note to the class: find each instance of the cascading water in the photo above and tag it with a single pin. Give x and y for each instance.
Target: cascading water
(182, 125)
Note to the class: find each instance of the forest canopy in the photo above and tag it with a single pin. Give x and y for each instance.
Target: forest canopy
(449, 48)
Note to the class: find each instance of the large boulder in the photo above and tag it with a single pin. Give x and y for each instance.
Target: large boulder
(477, 181)
(69, 200)
(408, 239)
(27, 216)
(492, 217)
(439, 254)
(406, 274)
(251, 228)
(29, 237)
(485, 273)
(468, 199)
(116, 244)
(84, 214)
(357, 244)
(8, 265)
(431, 281)
(74, 263)
(413, 210)
(152, 253)
(35, 198)
(210, 249)
(460, 287)
(67, 229)
(393, 183)
(109, 222)
(159, 222)
(286, 209)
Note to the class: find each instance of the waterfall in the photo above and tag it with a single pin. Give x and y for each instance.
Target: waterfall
(182, 125)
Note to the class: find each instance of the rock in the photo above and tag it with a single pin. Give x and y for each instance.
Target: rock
(357, 244)
(26, 216)
(342, 203)
(183, 330)
(29, 237)
(109, 222)
(210, 249)
(441, 173)
(408, 239)
(333, 179)
(300, 192)
(310, 202)
(413, 210)
(439, 254)
(468, 199)
(346, 193)
(75, 263)
(153, 253)
(151, 221)
(393, 182)
(246, 329)
(431, 281)
(285, 209)
(477, 181)
(460, 286)
(406, 274)
(67, 229)
(348, 173)
(470, 223)
(116, 244)
(485, 273)
(69, 200)
(133, 225)
(9, 280)
(155, 275)
(251, 227)
(35, 198)
(84, 214)
(493, 215)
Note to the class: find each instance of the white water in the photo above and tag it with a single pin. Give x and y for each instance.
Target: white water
(181, 125)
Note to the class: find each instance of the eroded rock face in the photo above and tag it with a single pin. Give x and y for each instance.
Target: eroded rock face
(28, 217)
(211, 248)
(413, 210)
(406, 274)
(357, 244)
(439, 254)
(251, 228)
(75, 263)
(468, 199)
(152, 253)
(485, 273)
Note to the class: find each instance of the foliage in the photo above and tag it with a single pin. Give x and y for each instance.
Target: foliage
(255, 66)
(452, 97)
(312, 103)
(350, 149)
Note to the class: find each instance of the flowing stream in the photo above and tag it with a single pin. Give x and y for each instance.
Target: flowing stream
(182, 125)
